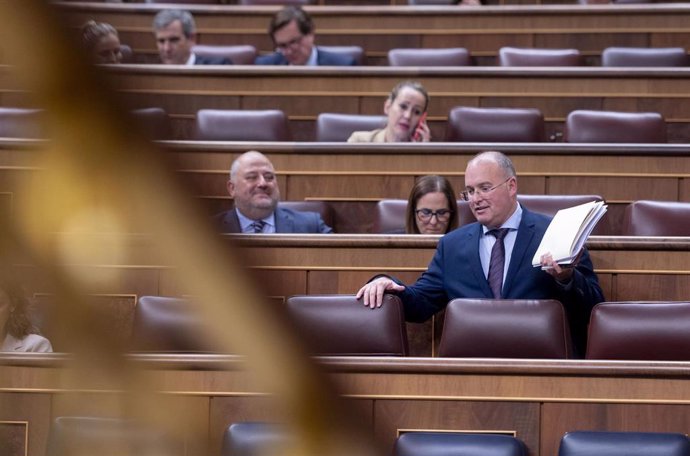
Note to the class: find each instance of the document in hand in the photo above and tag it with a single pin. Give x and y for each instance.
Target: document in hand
(568, 231)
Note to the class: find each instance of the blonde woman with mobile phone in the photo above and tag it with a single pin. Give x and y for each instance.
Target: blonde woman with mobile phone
(406, 109)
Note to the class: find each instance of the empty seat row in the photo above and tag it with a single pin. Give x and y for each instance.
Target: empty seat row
(331, 325)
(249, 438)
(339, 325)
(521, 57)
(465, 124)
(70, 435)
(245, 54)
(30, 123)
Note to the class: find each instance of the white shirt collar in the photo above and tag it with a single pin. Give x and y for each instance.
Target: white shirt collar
(313, 58)
(191, 60)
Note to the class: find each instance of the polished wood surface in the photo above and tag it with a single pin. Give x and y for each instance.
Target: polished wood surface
(537, 401)
(483, 30)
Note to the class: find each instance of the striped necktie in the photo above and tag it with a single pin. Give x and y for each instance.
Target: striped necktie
(498, 256)
(258, 226)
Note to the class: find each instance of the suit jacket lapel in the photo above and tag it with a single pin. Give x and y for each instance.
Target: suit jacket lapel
(284, 222)
(475, 260)
(523, 244)
(232, 222)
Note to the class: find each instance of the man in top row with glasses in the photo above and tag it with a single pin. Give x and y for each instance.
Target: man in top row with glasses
(292, 32)
(470, 261)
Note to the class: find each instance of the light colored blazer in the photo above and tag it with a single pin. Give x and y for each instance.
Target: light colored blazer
(30, 343)
(374, 136)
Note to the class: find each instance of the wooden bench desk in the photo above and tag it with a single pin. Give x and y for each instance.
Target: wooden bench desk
(637, 269)
(536, 401)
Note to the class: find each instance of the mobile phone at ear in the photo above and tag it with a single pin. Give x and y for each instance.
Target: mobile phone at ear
(418, 131)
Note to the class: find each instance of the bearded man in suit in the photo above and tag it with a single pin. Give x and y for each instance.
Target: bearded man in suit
(254, 188)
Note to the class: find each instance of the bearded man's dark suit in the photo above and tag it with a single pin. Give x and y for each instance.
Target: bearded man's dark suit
(456, 272)
(287, 221)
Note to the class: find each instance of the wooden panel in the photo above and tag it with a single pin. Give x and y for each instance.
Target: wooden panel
(6, 205)
(192, 413)
(113, 313)
(537, 400)
(617, 188)
(606, 281)
(24, 416)
(137, 280)
(327, 187)
(563, 417)
(522, 419)
(233, 409)
(652, 287)
(96, 404)
(14, 436)
(348, 282)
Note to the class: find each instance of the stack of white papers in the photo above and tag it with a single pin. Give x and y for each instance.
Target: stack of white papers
(568, 231)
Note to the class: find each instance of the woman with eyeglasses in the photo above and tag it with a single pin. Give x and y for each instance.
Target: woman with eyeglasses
(431, 207)
(405, 110)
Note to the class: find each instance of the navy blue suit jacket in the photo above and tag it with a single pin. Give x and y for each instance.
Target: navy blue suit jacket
(323, 58)
(456, 272)
(287, 221)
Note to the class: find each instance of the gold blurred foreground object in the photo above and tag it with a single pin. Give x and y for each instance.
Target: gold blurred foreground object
(97, 175)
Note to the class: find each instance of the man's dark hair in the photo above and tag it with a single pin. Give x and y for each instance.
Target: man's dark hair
(289, 14)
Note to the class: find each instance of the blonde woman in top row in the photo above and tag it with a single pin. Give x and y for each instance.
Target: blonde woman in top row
(406, 111)
(102, 41)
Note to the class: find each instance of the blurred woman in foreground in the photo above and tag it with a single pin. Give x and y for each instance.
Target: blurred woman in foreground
(16, 331)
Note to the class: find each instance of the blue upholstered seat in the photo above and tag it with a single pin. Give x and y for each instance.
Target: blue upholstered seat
(590, 443)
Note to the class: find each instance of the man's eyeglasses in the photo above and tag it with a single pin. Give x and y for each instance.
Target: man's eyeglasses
(282, 47)
(482, 190)
(425, 215)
